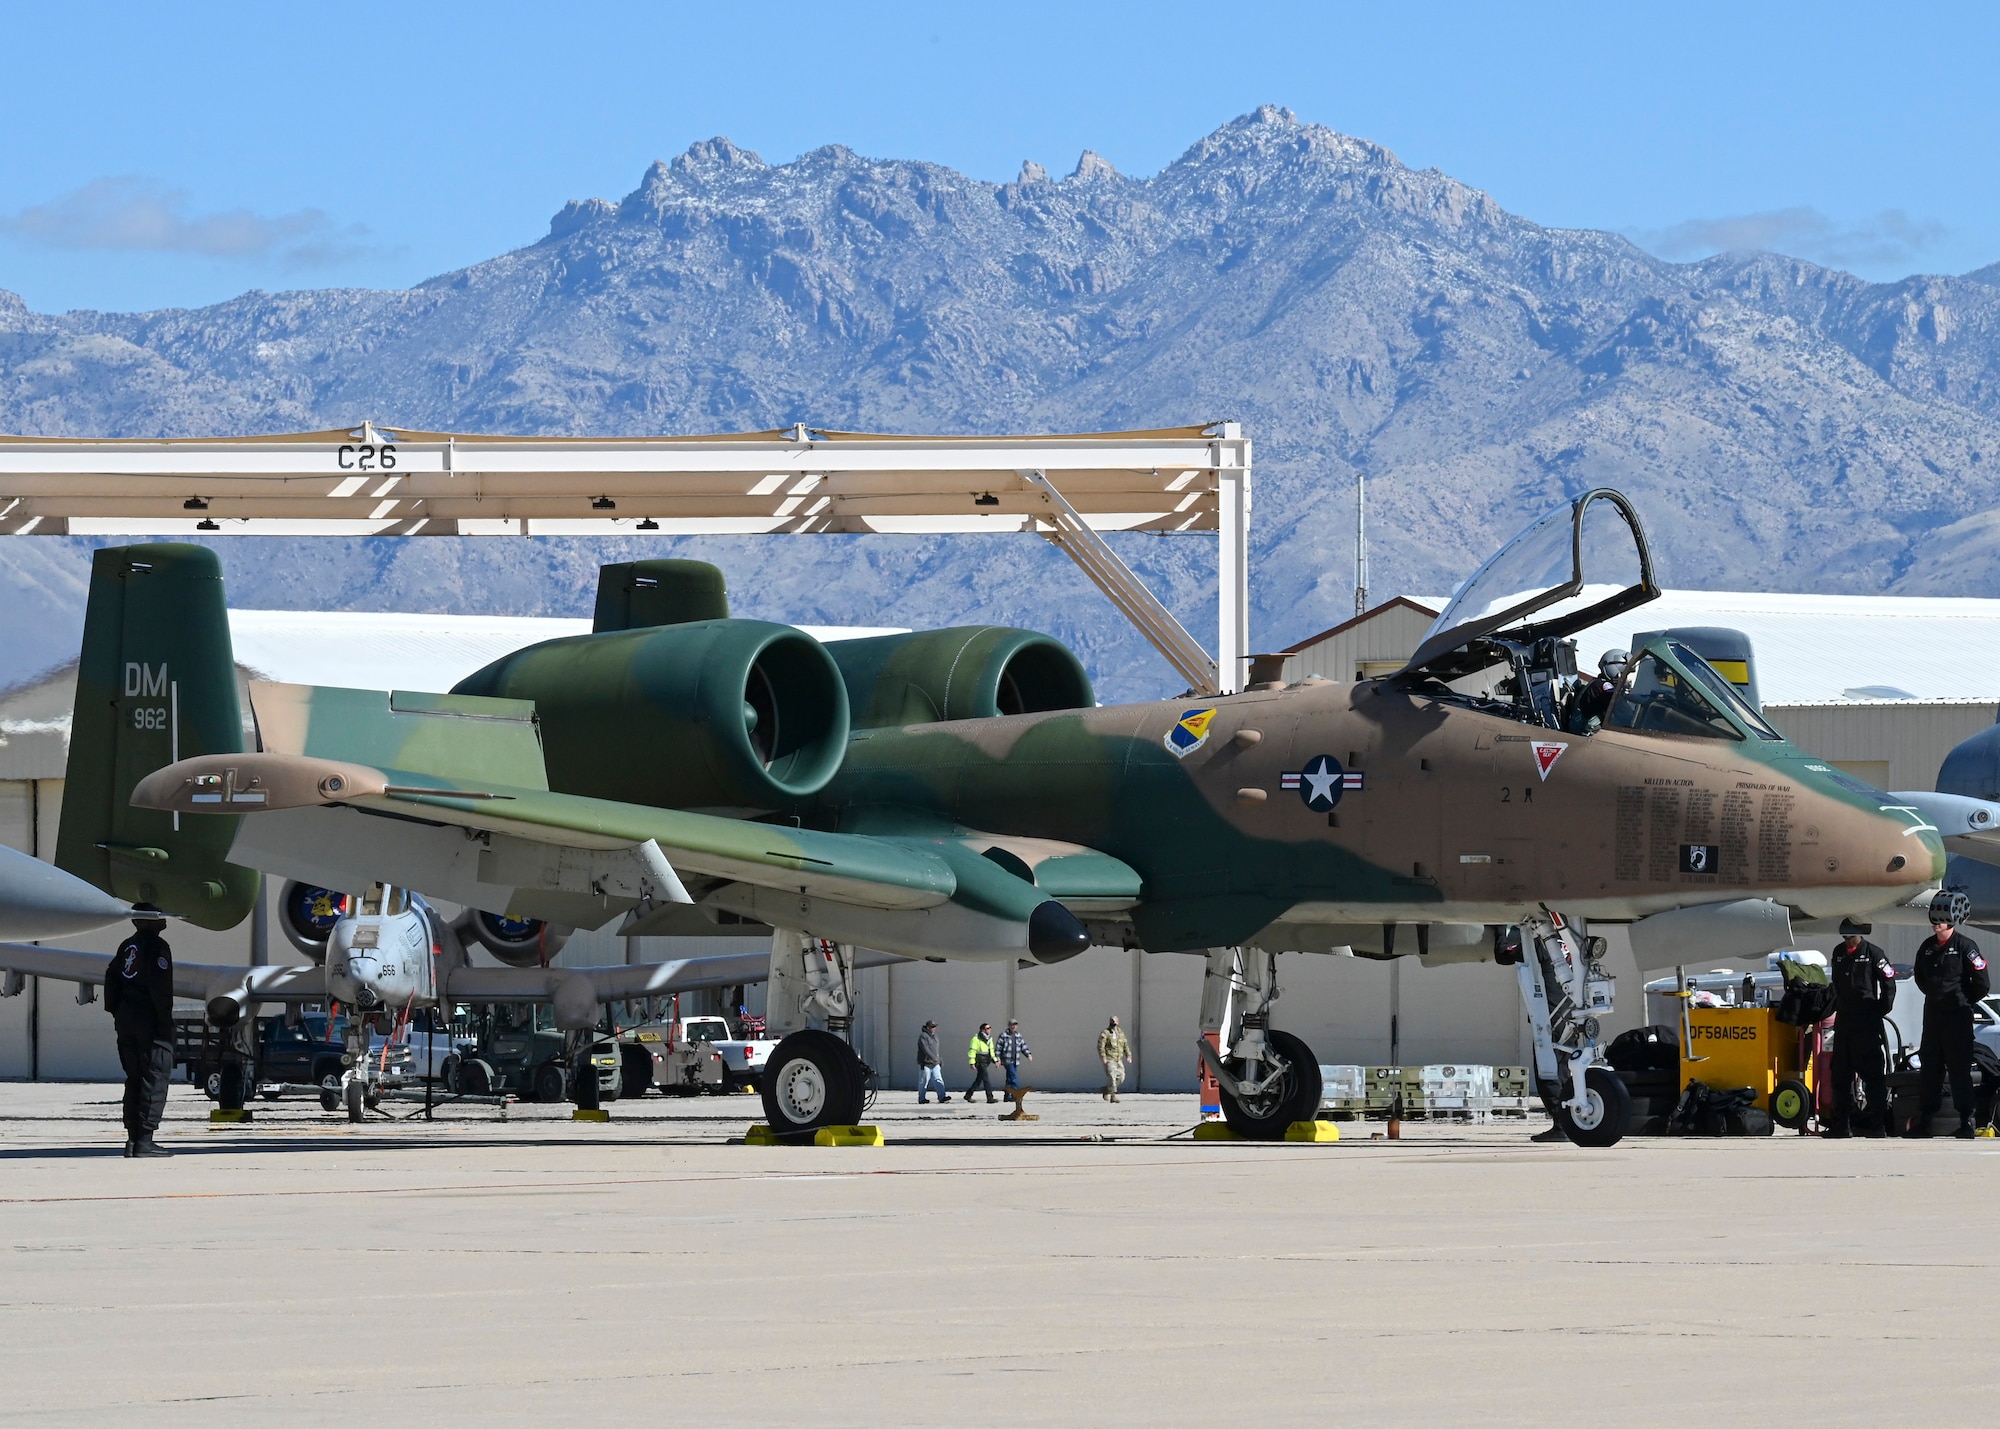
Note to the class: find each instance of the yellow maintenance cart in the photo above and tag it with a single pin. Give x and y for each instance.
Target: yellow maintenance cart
(1749, 1047)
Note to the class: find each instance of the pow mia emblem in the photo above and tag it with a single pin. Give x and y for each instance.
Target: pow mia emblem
(1699, 858)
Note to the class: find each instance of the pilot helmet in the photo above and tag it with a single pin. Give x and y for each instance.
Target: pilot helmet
(1611, 664)
(146, 918)
(1951, 907)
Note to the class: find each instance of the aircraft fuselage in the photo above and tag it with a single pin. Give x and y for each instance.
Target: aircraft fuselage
(1337, 804)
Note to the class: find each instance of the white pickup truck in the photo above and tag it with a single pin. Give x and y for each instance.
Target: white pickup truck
(700, 1054)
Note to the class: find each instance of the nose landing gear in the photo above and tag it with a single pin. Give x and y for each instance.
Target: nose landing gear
(1566, 990)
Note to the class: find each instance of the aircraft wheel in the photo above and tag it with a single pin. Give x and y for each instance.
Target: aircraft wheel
(549, 1082)
(354, 1107)
(447, 1073)
(1296, 1097)
(1791, 1104)
(812, 1080)
(1607, 1107)
(329, 1090)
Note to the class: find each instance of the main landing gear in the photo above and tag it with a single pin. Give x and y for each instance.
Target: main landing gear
(814, 1078)
(1566, 990)
(1268, 1079)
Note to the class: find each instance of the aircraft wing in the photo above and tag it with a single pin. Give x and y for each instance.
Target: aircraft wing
(286, 983)
(576, 860)
(617, 982)
(39, 900)
(1968, 826)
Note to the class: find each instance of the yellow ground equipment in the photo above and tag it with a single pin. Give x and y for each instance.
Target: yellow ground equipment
(1749, 1047)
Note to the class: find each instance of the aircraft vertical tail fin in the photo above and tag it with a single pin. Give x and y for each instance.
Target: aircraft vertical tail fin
(156, 683)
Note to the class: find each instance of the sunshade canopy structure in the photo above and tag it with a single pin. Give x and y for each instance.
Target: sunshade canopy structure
(392, 481)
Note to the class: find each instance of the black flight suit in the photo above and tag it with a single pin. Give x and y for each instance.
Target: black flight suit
(1864, 989)
(1952, 977)
(139, 995)
(1592, 701)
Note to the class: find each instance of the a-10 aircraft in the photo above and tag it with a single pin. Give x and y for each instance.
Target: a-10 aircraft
(958, 794)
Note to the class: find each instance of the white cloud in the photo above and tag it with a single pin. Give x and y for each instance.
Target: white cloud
(130, 213)
(1888, 238)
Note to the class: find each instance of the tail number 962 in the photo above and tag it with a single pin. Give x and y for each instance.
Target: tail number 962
(149, 717)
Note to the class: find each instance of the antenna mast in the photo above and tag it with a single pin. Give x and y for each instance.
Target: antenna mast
(1360, 543)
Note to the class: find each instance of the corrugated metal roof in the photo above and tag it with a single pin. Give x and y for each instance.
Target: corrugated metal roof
(372, 650)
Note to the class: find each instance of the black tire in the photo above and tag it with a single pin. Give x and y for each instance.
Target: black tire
(812, 1080)
(211, 1084)
(585, 1089)
(550, 1086)
(635, 1071)
(355, 1111)
(475, 1079)
(1297, 1098)
(1610, 1109)
(327, 1074)
(447, 1076)
(1791, 1105)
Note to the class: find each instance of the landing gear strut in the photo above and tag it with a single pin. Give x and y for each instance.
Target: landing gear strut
(1565, 991)
(814, 1078)
(1268, 1079)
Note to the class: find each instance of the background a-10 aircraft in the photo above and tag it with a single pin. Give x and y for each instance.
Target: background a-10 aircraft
(958, 794)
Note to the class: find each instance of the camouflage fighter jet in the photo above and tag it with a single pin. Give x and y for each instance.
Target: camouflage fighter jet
(959, 794)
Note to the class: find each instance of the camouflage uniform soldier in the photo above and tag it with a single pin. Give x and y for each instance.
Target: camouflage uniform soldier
(1114, 1052)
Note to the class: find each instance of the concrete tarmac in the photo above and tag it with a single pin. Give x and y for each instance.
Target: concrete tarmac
(1086, 1268)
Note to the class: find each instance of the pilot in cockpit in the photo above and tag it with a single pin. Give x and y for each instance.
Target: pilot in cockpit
(1592, 698)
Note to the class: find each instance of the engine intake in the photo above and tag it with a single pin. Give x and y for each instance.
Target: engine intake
(964, 672)
(517, 942)
(735, 716)
(306, 916)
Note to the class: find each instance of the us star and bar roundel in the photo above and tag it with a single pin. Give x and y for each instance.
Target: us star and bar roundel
(1190, 732)
(1322, 782)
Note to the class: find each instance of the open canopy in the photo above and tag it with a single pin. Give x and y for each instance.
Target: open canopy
(1583, 562)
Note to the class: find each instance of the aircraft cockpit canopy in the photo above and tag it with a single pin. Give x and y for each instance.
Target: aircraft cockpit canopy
(1669, 689)
(1580, 563)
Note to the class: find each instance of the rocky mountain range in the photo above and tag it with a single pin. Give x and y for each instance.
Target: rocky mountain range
(1780, 425)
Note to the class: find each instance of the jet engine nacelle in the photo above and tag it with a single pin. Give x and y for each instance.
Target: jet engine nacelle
(307, 915)
(517, 942)
(727, 716)
(967, 672)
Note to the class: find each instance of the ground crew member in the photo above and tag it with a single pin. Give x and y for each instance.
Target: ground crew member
(1114, 1052)
(1951, 974)
(1012, 1049)
(930, 1071)
(979, 1056)
(139, 995)
(1864, 989)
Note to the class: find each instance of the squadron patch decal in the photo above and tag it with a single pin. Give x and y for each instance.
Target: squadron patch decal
(1546, 756)
(1322, 782)
(1190, 732)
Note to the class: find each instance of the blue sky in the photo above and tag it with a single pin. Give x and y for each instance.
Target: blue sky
(168, 156)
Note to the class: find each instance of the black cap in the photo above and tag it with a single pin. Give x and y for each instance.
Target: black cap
(1851, 929)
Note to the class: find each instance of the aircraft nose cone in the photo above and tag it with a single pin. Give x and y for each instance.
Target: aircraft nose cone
(39, 900)
(1054, 933)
